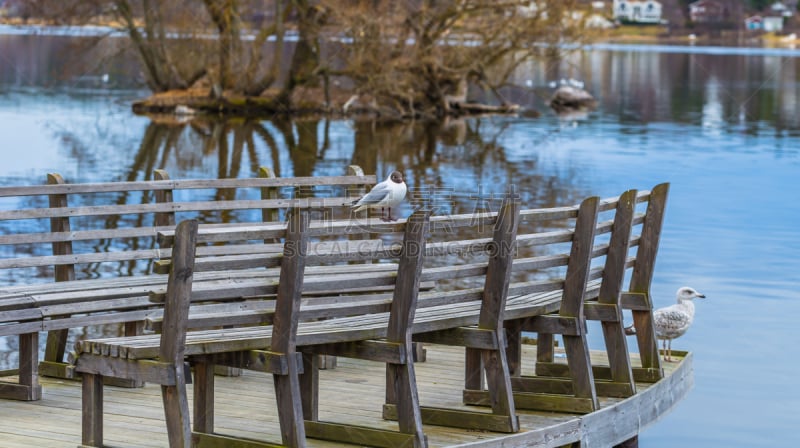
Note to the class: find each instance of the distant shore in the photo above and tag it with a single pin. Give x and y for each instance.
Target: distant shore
(621, 35)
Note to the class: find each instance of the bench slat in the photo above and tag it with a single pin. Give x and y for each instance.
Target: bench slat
(155, 185)
(427, 319)
(171, 207)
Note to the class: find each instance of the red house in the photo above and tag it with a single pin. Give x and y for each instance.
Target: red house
(707, 11)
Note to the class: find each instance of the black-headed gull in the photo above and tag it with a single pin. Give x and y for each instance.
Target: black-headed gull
(386, 194)
(671, 322)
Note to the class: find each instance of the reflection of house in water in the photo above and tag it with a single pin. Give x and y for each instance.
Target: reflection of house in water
(641, 12)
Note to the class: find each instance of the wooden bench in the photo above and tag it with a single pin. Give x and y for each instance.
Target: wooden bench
(627, 242)
(550, 273)
(97, 241)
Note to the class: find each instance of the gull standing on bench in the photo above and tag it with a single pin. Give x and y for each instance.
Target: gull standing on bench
(672, 321)
(386, 194)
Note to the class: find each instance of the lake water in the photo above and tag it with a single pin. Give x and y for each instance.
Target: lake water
(722, 126)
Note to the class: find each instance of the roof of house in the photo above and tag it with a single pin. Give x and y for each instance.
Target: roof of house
(702, 3)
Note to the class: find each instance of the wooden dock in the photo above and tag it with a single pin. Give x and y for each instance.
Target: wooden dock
(245, 407)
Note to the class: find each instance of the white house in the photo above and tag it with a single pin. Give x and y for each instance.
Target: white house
(769, 24)
(773, 24)
(637, 11)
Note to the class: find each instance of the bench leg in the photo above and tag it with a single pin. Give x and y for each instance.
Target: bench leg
(29, 365)
(473, 370)
(290, 407)
(402, 382)
(56, 346)
(618, 359)
(176, 410)
(309, 385)
(646, 340)
(580, 368)
(499, 382)
(545, 352)
(514, 347)
(92, 410)
(203, 397)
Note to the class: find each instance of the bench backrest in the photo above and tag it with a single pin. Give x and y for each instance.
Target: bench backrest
(535, 252)
(315, 258)
(66, 231)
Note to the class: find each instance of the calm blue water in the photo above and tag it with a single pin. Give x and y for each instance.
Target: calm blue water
(724, 129)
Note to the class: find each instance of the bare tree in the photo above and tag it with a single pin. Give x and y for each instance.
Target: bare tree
(419, 57)
(402, 58)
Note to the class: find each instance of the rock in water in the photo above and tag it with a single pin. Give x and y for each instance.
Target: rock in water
(568, 98)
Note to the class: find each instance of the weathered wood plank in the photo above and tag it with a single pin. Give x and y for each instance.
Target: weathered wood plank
(610, 290)
(203, 403)
(637, 301)
(401, 381)
(642, 276)
(173, 337)
(284, 329)
(537, 402)
(456, 418)
(359, 435)
(563, 386)
(471, 337)
(258, 360)
(207, 440)
(173, 207)
(57, 340)
(555, 324)
(640, 375)
(379, 351)
(576, 347)
(185, 184)
(161, 197)
(92, 410)
(140, 370)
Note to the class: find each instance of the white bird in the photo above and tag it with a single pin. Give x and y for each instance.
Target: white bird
(672, 321)
(386, 194)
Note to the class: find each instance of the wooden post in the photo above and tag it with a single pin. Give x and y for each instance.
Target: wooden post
(473, 370)
(203, 383)
(495, 293)
(545, 350)
(309, 385)
(514, 347)
(268, 214)
(92, 410)
(401, 385)
(642, 277)
(173, 335)
(53, 364)
(284, 328)
(163, 197)
(577, 347)
(356, 191)
(29, 366)
(611, 288)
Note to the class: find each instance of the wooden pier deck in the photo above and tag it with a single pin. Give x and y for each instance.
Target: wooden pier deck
(245, 407)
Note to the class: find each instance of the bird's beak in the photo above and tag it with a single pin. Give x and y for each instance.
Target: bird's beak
(702, 296)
